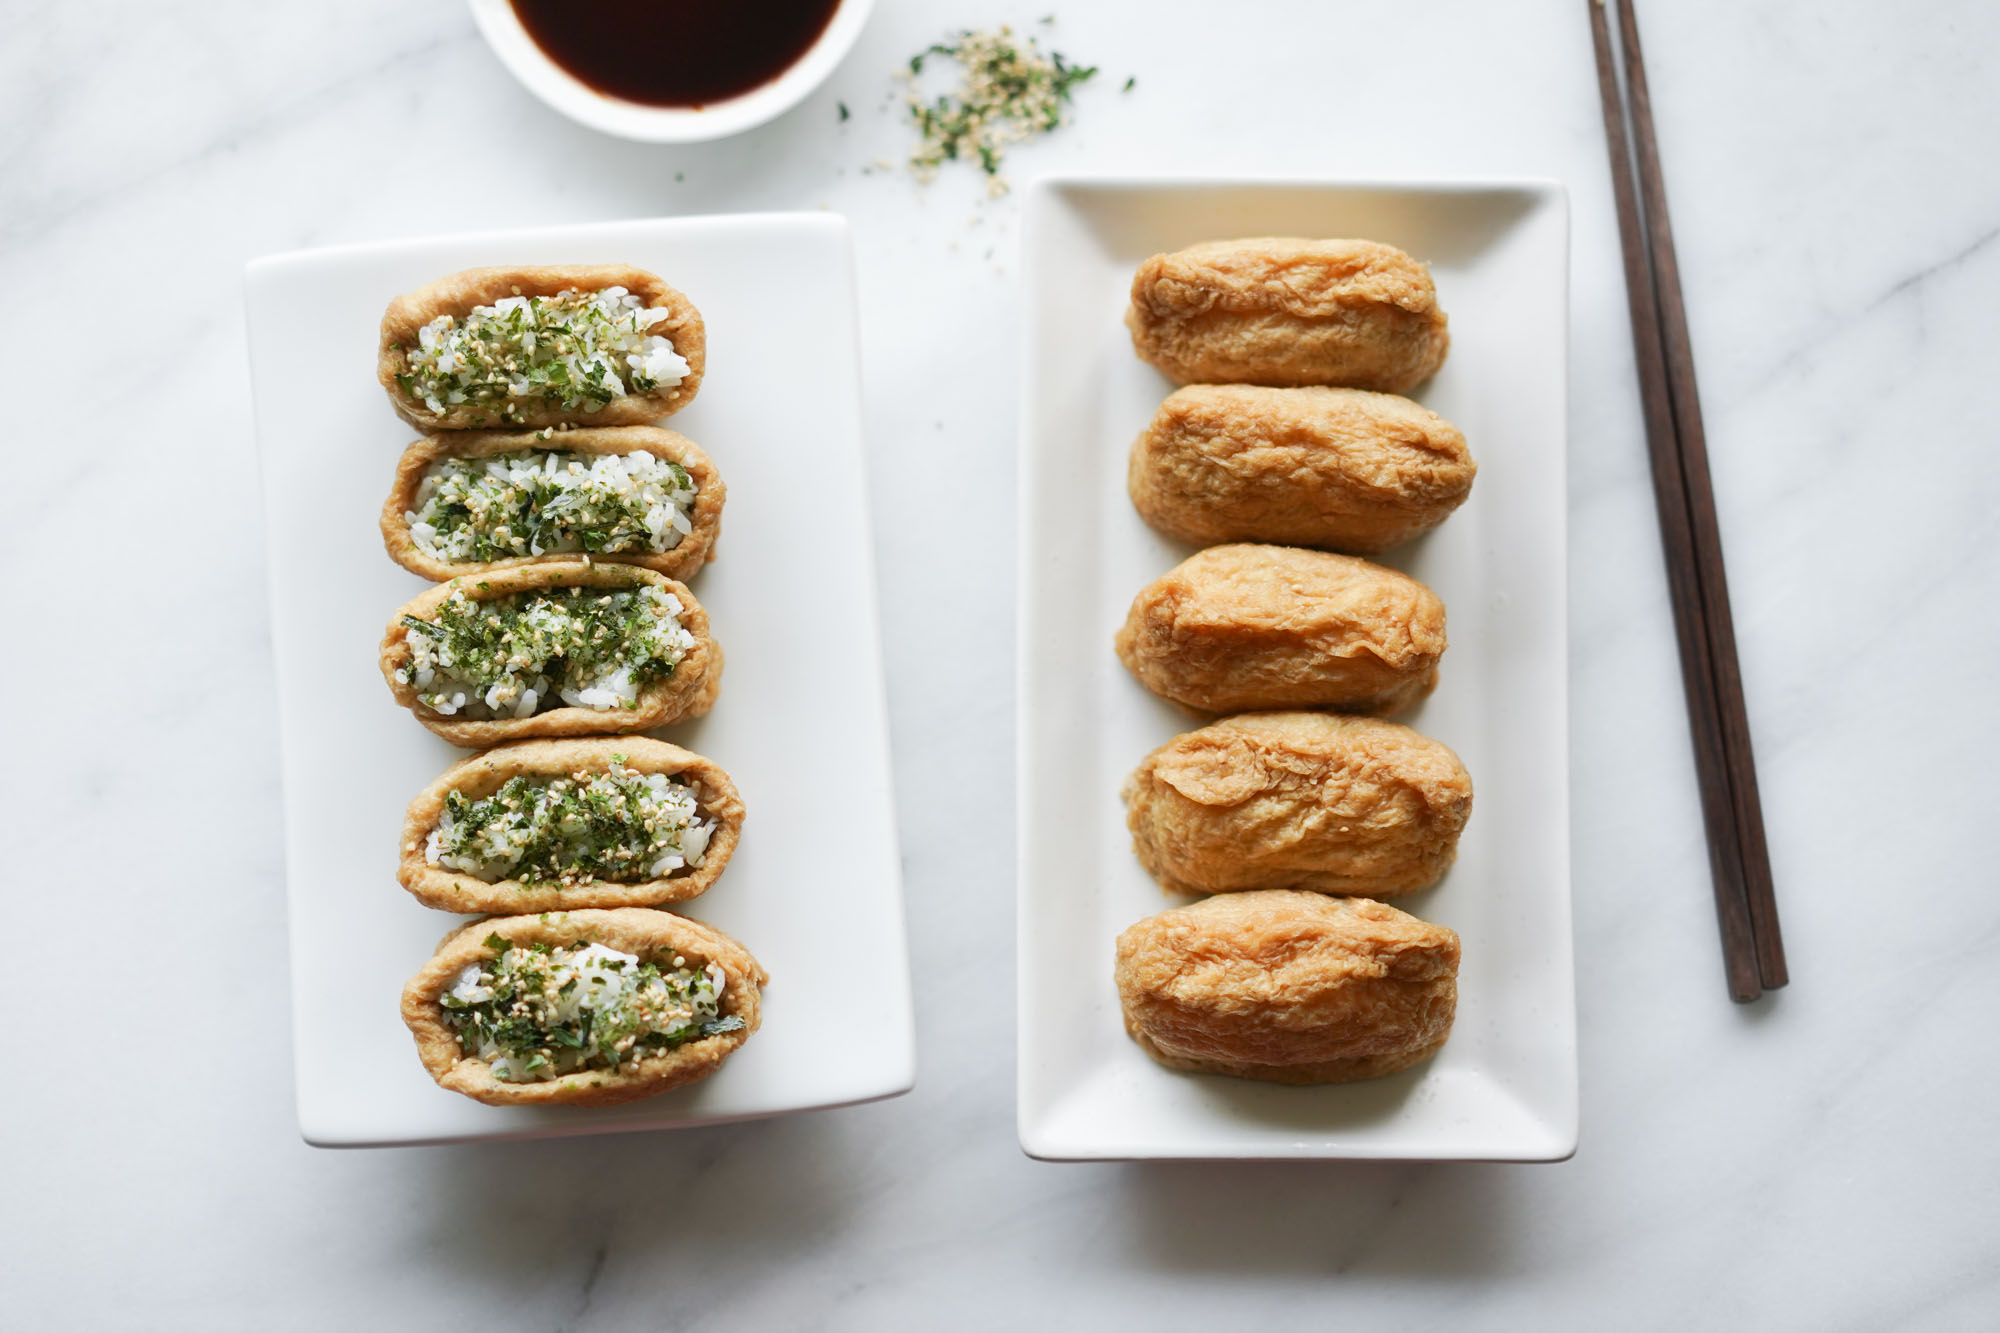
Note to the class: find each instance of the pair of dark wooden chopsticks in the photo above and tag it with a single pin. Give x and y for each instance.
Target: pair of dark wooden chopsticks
(1752, 948)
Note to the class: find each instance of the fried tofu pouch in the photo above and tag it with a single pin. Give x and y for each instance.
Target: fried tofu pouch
(1243, 628)
(1285, 310)
(480, 776)
(1317, 801)
(458, 293)
(635, 930)
(683, 562)
(1288, 987)
(688, 693)
(1338, 469)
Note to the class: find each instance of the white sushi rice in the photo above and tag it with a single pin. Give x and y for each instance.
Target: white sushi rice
(662, 828)
(581, 988)
(581, 349)
(535, 502)
(518, 683)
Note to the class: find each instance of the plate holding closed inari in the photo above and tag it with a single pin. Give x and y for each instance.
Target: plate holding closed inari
(466, 502)
(542, 826)
(584, 1008)
(568, 344)
(561, 649)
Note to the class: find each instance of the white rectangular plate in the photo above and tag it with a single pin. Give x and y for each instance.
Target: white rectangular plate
(814, 890)
(1504, 1088)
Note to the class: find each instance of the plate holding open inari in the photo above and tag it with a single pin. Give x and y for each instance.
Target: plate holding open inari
(801, 731)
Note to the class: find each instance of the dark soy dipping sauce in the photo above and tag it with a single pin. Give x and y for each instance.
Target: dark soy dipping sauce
(675, 52)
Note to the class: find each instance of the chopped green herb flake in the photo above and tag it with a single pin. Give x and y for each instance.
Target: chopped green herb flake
(619, 827)
(540, 1013)
(513, 655)
(1008, 92)
(575, 351)
(537, 502)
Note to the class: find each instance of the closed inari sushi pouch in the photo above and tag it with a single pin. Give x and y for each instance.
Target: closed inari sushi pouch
(1245, 627)
(470, 502)
(599, 345)
(541, 826)
(1285, 310)
(563, 649)
(586, 1008)
(1334, 469)
(1319, 801)
(1288, 987)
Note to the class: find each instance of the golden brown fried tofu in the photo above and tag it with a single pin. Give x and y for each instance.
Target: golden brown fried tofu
(1240, 628)
(1285, 310)
(1288, 987)
(1344, 805)
(1339, 469)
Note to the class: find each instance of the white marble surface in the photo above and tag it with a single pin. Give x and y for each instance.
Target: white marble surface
(1822, 1160)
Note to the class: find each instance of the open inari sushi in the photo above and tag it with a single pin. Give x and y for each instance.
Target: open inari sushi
(561, 649)
(586, 1008)
(466, 502)
(541, 826)
(601, 344)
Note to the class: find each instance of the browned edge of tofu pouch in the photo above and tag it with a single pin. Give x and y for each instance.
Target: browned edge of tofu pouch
(1336, 469)
(689, 692)
(1318, 801)
(439, 886)
(1245, 627)
(652, 936)
(682, 562)
(1288, 987)
(457, 294)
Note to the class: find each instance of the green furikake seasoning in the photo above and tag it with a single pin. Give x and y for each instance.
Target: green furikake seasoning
(537, 1011)
(576, 351)
(1008, 92)
(508, 656)
(622, 826)
(537, 501)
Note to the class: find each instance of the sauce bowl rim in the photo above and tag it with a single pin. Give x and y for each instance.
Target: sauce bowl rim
(557, 88)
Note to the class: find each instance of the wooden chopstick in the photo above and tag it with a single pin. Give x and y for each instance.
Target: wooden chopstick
(1746, 905)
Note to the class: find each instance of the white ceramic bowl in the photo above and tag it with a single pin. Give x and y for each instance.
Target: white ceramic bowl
(660, 124)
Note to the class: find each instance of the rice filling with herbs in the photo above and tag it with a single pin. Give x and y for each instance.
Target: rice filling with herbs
(535, 1012)
(510, 656)
(535, 502)
(623, 826)
(575, 350)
